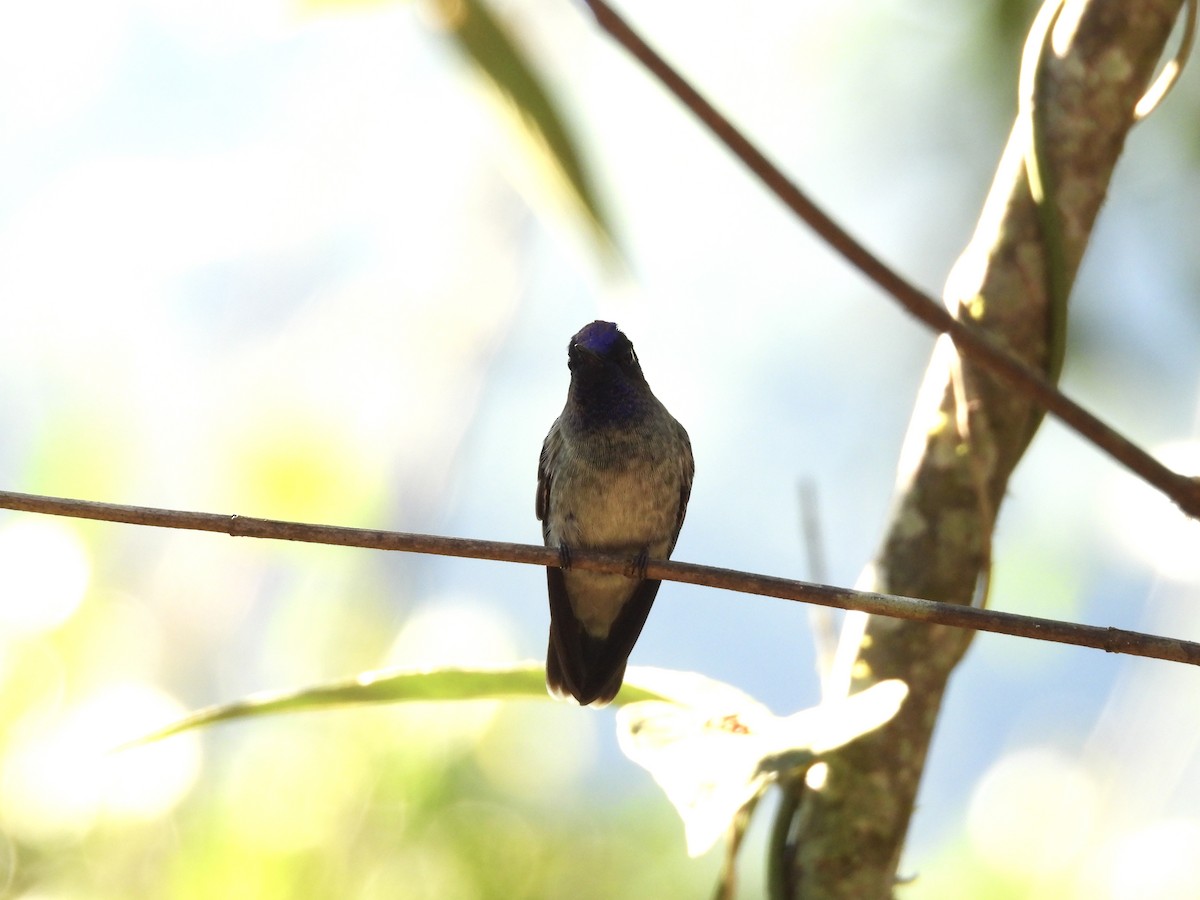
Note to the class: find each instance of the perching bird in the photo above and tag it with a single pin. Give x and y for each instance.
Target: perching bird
(614, 475)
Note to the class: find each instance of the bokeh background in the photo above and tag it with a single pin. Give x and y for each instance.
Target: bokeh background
(297, 262)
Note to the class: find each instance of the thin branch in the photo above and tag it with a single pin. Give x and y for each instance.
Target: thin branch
(975, 345)
(1111, 640)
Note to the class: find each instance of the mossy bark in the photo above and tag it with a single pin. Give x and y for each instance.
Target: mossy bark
(847, 838)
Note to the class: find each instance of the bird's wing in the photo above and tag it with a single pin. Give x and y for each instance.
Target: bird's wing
(550, 448)
(685, 487)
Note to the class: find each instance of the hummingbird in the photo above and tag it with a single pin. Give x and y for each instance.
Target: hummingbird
(614, 475)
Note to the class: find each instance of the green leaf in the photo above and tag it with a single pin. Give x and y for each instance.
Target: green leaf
(521, 680)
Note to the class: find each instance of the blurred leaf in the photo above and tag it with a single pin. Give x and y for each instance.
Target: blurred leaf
(711, 747)
(487, 43)
(526, 680)
(489, 46)
(712, 758)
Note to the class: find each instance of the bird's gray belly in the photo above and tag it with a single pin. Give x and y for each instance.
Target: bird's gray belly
(621, 511)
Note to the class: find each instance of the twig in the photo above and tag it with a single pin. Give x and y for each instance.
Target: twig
(1184, 491)
(1111, 640)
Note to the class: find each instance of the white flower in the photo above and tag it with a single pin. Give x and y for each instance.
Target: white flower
(713, 748)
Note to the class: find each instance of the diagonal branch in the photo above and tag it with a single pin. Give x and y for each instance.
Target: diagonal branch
(973, 343)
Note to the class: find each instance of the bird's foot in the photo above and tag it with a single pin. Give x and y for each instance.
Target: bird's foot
(637, 568)
(564, 556)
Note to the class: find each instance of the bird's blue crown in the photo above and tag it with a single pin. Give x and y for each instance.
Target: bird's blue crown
(598, 337)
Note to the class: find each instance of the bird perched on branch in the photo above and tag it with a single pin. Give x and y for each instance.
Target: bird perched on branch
(614, 475)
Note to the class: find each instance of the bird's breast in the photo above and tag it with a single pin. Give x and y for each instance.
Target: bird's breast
(634, 506)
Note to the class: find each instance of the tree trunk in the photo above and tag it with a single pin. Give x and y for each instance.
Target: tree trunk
(845, 840)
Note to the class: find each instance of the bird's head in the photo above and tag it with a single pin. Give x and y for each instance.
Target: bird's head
(605, 372)
(603, 349)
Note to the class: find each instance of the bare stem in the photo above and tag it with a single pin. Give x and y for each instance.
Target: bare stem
(974, 344)
(1111, 640)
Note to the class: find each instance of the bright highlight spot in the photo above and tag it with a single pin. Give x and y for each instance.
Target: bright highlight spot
(817, 776)
(44, 572)
(1031, 814)
(64, 774)
(1157, 862)
(454, 631)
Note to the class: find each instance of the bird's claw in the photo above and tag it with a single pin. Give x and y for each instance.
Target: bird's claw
(564, 556)
(637, 568)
